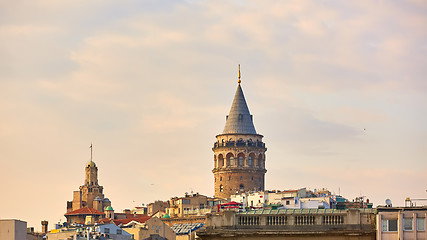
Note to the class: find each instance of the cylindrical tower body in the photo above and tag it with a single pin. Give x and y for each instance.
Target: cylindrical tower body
(90, 190)
(239, 164)
(91, 174)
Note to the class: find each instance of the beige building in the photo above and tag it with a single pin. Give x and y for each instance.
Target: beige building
(151, 228)
(191, 204)
(12, 229)
(84, 215)
(401, 223)
(239, 153)
(291, 224)
(157, 206)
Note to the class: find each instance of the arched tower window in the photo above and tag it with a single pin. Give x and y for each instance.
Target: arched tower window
(215, 162)
(220, 160)
(260, 159)
(230, 159)
(251, 159)
(240, 158)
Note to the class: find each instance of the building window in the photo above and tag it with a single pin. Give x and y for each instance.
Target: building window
(106, 230)
(229, 178)
(221, 188)
(240, 161)
(252, 178)
(119, 231)
(185, 201)
(389, 225)
(241, 178)
(407, 224)
(421, 224)
(220, 178)
(231, 161)
(241, 187)
(287, 202)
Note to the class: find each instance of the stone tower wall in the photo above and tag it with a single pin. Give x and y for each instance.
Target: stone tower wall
(91, 175)
(239, 164)
(77, 200)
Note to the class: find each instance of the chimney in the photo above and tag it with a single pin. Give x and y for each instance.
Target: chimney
(44, 226)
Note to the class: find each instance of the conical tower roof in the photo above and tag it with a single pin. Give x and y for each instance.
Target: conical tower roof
(239, 120)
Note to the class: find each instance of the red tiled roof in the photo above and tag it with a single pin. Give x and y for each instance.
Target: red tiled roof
(85, 211)
(231, 203)
(126, 215)
(140, 219)
(105, 220)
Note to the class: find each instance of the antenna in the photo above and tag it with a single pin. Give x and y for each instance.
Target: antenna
(90, 152)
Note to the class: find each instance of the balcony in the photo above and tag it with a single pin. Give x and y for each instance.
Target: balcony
(240, 143)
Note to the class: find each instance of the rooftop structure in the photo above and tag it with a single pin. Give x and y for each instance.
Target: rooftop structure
(239, 119)
(186, 228)
(292, 224)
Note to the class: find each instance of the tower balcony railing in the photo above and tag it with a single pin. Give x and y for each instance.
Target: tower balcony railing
(239, 144)
(244, 167)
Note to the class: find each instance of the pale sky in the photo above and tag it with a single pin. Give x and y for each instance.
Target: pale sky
(337, 88)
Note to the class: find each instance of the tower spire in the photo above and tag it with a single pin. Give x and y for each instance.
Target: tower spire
(239, 119)
(239, 81)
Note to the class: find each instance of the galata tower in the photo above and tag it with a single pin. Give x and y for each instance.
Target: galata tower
(239, 153)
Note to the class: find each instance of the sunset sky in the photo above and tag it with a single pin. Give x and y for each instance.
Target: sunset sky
(337, 88)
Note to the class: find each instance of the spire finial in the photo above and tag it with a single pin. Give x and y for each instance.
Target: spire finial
(90, 152)
(239, 81)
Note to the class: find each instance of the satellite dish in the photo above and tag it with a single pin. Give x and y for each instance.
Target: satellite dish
(388, 202)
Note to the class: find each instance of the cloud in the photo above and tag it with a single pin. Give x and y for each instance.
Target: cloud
(151, 82)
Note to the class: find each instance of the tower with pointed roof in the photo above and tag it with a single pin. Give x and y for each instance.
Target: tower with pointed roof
(90, 194)
(239, 153)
